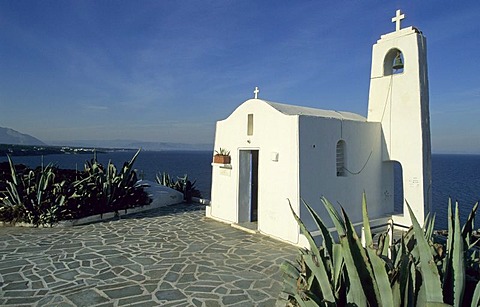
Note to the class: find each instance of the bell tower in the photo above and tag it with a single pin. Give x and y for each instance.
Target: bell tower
(398, 99)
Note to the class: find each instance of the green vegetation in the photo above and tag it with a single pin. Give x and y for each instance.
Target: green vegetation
(222, 152)
(182, 184)
(419, 272)
(47, 195)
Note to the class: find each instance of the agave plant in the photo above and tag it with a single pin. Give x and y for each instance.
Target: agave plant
(418, 273)
(182, 184)
(34, 198)
(188, 188)
(106, 189)
(45, 195)
(165, 179)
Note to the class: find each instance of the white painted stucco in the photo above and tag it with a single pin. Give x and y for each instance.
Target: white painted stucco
(278, 180)
(400, 103)
(297, 150)
(318, 139)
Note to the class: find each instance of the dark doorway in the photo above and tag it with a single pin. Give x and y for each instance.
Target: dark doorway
(254, 186)
(398, 188)
(248, 186)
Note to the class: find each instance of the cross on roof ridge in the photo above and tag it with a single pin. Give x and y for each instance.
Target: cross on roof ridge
(255, 92)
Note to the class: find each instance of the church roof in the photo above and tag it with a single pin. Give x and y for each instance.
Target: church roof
(305, 111)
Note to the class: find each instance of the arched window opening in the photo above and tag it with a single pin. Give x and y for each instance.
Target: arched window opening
(341, 159)
(394, 62)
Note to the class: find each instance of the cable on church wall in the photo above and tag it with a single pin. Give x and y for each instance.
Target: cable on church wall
(390, 86)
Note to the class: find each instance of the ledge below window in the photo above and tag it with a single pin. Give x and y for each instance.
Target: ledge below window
(229, 166)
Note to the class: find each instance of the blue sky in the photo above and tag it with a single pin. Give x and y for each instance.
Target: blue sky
(167, 70)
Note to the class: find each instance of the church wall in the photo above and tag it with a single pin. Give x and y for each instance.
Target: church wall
(365, 170)
(275, 137)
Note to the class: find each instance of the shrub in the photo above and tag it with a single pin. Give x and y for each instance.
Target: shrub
(419, 272)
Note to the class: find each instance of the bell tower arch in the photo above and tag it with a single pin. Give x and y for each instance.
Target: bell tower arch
(393, 62)
(399, 100)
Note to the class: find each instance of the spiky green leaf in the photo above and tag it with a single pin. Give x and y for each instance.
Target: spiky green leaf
(476, 296)
(335, 216)
(469, 225)
(429, 227)
(338, 262)
(319, 267)
(366, 222)
(327, 237)
(458, 261)
(381, 278)
(428, 268)
(358, 267)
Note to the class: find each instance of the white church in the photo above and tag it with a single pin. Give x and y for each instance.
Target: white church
(283, 154)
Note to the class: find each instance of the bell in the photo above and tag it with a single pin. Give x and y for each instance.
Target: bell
(397, 63)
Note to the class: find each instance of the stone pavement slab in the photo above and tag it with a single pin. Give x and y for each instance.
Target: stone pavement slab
(170, 256)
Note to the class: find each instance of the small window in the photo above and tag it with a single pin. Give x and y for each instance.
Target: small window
(250, 124)
(341, 157)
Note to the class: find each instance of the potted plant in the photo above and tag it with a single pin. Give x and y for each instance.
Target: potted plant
(222, 156)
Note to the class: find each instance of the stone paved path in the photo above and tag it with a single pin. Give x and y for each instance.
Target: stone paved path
(165, 257)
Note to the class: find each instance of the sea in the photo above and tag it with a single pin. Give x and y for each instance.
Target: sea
(453, 176)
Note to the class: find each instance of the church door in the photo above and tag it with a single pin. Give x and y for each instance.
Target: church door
(248, 186)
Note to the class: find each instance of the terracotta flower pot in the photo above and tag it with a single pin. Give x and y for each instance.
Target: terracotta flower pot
(221, 159)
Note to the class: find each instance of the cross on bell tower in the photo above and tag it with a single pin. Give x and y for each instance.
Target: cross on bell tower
(398, 19)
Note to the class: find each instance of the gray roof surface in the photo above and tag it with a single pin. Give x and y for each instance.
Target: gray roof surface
(297, 110)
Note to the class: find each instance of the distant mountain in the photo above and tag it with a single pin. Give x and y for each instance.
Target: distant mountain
(10, 136)
(134, 144)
